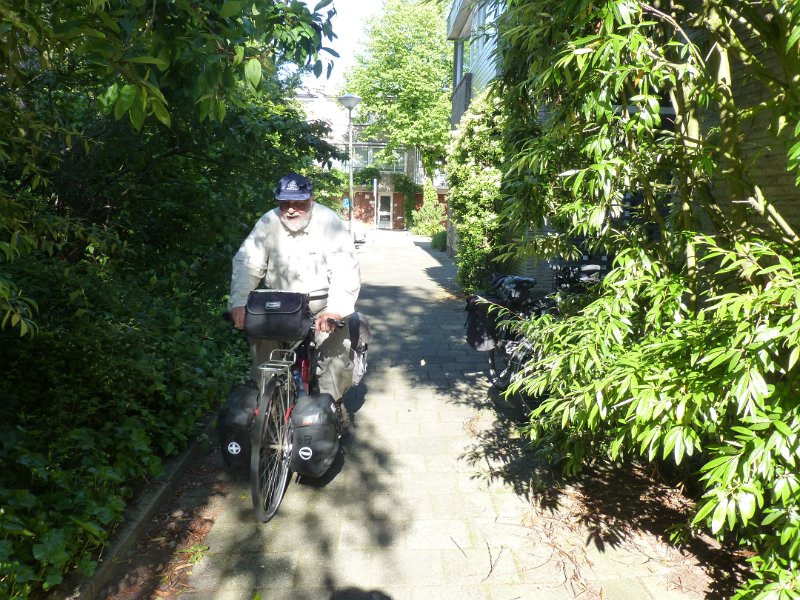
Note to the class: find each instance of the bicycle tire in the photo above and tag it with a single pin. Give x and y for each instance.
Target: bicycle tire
(500, 366)
(270, 454)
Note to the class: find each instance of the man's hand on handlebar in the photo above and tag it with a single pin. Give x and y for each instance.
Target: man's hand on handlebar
(328, 321)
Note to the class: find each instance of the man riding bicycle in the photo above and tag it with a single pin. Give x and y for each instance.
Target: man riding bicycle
(302, 246)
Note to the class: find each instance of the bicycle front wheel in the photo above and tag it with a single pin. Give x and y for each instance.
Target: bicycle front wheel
(271, 452)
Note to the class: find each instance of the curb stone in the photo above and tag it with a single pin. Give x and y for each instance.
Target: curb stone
(136, 519)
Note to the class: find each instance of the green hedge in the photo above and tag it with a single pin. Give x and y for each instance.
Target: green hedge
(122, 374)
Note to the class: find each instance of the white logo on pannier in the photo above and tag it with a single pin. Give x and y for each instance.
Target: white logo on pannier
(305, 453)
(234, 448)
(272, 305)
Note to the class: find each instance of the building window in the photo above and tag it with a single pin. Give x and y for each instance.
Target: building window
(462, 59)
(372, 156)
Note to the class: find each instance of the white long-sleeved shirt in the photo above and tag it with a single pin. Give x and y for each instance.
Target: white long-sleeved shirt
(320, 259)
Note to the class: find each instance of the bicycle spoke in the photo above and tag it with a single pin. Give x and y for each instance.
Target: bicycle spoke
(269, 467)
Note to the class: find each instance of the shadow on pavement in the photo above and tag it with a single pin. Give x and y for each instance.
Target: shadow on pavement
(418, 334)
(615, 507)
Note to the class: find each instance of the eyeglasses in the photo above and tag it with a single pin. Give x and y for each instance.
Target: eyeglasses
(297, 205)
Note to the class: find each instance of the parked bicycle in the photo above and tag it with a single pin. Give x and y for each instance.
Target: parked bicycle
(285, 425)
(493, 321)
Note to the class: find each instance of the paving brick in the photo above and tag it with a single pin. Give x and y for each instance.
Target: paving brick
(492, 565)
(438, 534)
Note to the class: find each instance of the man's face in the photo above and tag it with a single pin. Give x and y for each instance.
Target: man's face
(295, 214)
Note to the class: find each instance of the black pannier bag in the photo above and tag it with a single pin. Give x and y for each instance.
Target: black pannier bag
(359, 343)
(316, 430)
(233, 426)
(277, 315)
(481, 324)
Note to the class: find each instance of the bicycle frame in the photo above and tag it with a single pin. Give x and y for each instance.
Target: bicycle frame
(285, 360)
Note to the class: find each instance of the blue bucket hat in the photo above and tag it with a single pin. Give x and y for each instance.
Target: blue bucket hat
(293, 187)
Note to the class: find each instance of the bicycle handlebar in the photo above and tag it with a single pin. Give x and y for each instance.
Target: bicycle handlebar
(227, 316)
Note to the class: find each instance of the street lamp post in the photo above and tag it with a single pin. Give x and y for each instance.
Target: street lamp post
(350, 101)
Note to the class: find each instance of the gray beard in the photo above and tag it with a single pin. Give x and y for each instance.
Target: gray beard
(297, 224)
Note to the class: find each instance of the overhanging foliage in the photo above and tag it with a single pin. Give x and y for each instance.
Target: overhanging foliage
(634, 128)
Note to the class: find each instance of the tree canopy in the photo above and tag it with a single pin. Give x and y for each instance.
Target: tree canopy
(403, 76)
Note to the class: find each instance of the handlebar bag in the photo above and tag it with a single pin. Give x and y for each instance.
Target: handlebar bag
(277, 315)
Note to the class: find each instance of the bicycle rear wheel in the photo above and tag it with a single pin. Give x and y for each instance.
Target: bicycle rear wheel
(270, 454)
(500, 365)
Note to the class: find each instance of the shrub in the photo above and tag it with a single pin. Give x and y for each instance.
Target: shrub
(439, 241)
(473, 170)
(94, 402)
(430, 217)
(688, 354)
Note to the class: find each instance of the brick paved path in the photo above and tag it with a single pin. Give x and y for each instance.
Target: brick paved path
(431, 499)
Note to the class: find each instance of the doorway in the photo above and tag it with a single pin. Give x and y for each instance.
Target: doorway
(384, 212)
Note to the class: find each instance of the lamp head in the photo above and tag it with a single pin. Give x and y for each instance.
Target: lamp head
(349, 101)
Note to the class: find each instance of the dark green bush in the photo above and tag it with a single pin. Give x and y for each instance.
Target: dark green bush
(123, 373)
(131, 356)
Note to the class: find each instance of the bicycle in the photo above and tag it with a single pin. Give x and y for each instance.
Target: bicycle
(287, 375)
(513, 300)
(511, 351)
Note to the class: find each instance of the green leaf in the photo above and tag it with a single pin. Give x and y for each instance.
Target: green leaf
(52, 549)
(92, 528)
(747, 506)
(230, 8)
(252, 71)
(238, 56)
(793, 38)
(150, 60)
(87, 566)
(671, 440)
(704, 512)
(160, 111)
(52, 578)
(789, 531)
(795, 354)
(124, 101)
(136, 111)
(720, 513)
(782, 427)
